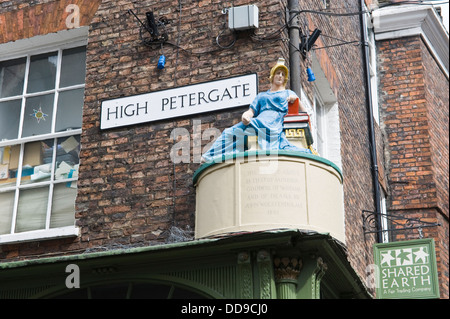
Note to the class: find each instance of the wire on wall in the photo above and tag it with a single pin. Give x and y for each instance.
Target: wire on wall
(342, 42)
(178, 42)
(148, 37)
(227, 46)
(419, 2)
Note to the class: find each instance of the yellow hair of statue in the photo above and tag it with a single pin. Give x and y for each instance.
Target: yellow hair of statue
(279, 65)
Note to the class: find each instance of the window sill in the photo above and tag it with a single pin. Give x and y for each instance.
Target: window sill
(44, 234)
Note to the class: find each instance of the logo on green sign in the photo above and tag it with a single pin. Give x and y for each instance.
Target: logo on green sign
(406, 270)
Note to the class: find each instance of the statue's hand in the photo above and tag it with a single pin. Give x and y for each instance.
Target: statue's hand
(291, 98)
(246, 117)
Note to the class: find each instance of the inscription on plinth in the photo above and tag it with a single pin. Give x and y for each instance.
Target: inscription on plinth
(273, 196)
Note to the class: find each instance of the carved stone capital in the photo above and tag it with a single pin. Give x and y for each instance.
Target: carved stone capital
(287, 268)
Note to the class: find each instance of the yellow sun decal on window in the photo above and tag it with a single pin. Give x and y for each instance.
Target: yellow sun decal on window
(39, 115)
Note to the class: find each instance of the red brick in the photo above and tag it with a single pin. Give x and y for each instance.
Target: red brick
(415, 141)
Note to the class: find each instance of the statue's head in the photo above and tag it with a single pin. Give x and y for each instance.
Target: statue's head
(279, 66)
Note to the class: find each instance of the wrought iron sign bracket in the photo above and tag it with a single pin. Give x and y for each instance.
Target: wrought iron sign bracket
(370, 225)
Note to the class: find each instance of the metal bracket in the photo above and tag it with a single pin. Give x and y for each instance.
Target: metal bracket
(148, 31)
(370, 225)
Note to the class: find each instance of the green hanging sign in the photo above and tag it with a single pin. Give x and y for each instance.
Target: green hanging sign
(406, 270)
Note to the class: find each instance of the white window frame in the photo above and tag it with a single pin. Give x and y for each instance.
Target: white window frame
(26, 48)
(320, 123)
(324, 95)
(328, 141)
(384, 218)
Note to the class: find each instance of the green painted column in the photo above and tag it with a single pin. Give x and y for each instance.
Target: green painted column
(286, 289)
(265, 275)
(244, 276)
(287, 270)
(313, 270)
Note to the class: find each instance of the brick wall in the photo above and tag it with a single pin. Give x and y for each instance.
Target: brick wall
(26, 19)
(414, 95)
(345, 73)
(405, 120)
(437, 96)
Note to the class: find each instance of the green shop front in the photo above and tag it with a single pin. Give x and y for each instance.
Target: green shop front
(283, 264)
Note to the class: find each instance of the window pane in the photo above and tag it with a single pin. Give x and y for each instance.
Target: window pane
(12, 74)
(32, 209)
(63, 207)
(73, 67)
(67, 157)
(42, 74)
(6, 211)
(8, 165)
(38, 115)
(70, 108)
(9, 119)
(37, 162)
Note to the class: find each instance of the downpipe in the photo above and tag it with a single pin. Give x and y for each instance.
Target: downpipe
(373, 147)
(294, 47)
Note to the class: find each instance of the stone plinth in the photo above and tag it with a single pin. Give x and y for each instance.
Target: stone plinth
(264, 191)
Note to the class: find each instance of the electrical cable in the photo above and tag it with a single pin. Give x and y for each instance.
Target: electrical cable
(174, 182)
(343, 42)
(337, 45)
(421, 3)
(164, 39)
(150, 42)
(270, 37)
(296, 13)
(334, 38)
(229, 45)
(266, 39)
(328, 13)
(275, 35)
(178, 43)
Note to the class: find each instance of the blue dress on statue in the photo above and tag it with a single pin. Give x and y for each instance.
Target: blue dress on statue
(269, 109)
